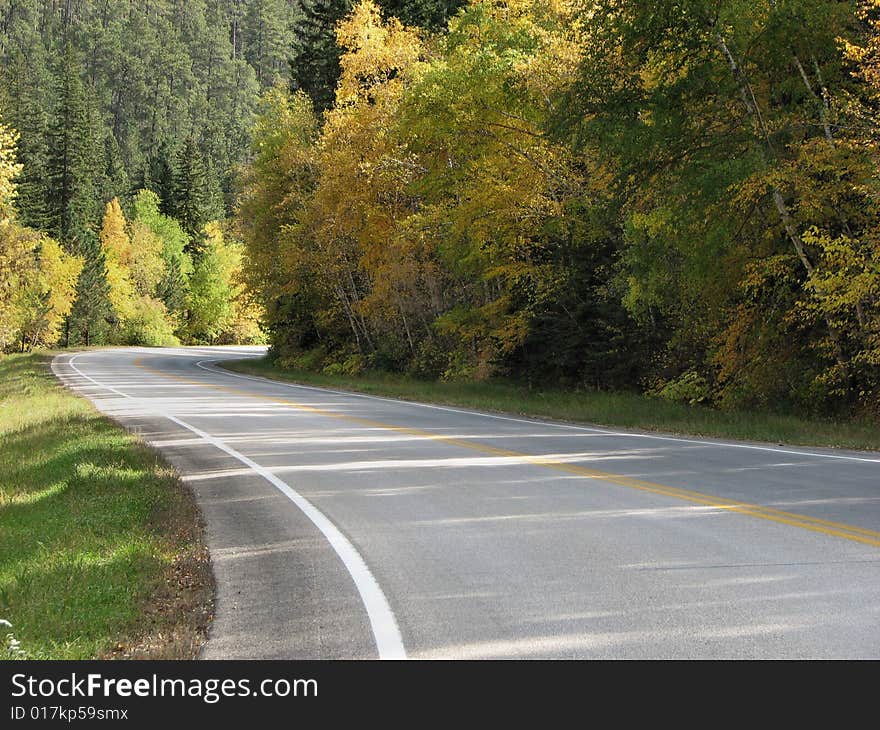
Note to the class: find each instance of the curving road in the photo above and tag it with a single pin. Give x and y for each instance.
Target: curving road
(347, 526)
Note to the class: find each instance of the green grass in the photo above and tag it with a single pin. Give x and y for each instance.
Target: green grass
(100, 545)
(622, 410)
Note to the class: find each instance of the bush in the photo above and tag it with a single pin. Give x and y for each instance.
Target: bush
(690, 388)
(430, 361)
(148, 325)
(309, 360)
(460, 367)
(353, 365)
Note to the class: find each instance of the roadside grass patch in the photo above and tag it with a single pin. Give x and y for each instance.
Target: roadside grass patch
(101, 547)
(610, 409)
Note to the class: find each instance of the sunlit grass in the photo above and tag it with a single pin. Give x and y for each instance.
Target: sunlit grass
(621, 410)
(88, 519)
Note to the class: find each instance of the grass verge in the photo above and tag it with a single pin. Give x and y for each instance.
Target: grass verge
(101, 546)
(623, 410)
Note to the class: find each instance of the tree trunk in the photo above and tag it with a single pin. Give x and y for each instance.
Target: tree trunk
(412, 347)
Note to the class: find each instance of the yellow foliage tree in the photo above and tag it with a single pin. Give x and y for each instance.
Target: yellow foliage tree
(417, 227)
(18, 264)
(44, 301)
(118, 254)
(37, 278)
(476, 119)
(135, 266)
(365, 170)
(844, 286)
(146, 264)
(276, 188)
(9, 170)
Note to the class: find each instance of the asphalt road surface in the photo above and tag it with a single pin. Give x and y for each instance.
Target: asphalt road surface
(348, 526)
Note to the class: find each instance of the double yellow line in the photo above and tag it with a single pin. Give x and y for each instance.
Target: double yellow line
(814, 524)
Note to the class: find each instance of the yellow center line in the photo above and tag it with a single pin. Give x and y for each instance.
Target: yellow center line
(814, 524)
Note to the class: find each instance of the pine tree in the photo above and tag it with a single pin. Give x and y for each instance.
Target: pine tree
(25, 108)
(91, 315)
(268, 39)
(173, 288)
(429, 14)
(153, 73)
(158, 176)
(114, 177)
(72, 166)
(192, 203)
(315, 70)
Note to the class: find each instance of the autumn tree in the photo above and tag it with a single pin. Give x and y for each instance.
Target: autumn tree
(219, 310)
(134, 267)
(364, 169)
(45, 298)
(37, 277)
(10, 169)
(117, 253)
(494, 182)
(715, 121)
(276, 188)
(679, 198)
(154, 230)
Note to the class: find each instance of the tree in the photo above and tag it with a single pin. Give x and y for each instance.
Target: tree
(413, 235)
(148, 324)
(211, 288)
(845, 283)
(37, 277)
(135, 268)
(715, 121)
(44, 300)
(92, 312)
(364, 169)
(10, 169)
(117, 252)
(112, 99)
(275, 189)
(72, 163)
(153, 74)
(147, 265)
(16, 245)
(268, 39)
(25, 106)
(494, 184)
(176, 267)
(197, 199)
(429, 14)
(315, 69)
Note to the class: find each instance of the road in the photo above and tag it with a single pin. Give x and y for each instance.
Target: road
(348, 526)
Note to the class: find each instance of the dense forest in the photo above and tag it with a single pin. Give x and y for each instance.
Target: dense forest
(124, 128)
(677, 197)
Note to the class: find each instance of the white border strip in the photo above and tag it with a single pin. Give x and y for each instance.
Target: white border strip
(389, 642)
(533, 421)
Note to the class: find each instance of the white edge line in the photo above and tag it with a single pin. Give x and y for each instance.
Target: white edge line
(398, 401)
(386, 632)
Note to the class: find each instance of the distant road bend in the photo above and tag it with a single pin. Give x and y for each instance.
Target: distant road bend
(348, 526)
